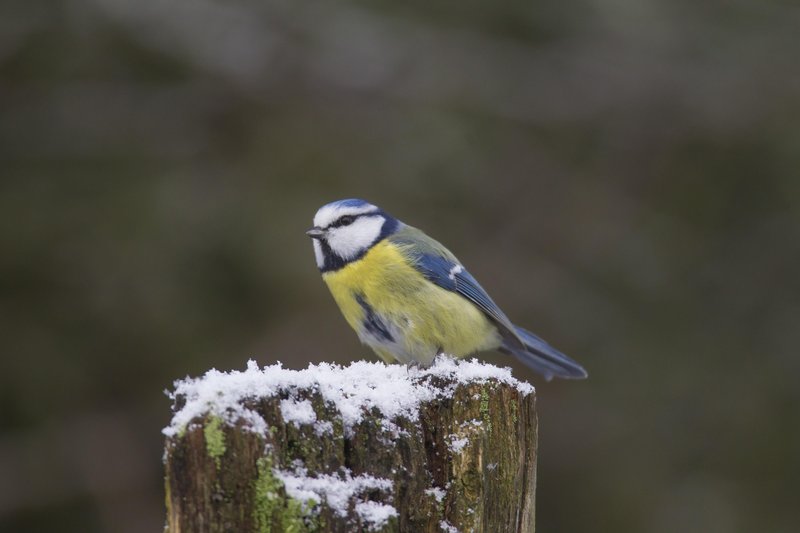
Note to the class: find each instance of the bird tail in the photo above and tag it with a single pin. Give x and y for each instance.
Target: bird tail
(543, 358)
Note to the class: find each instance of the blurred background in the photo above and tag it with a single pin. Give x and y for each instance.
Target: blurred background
(622, 177)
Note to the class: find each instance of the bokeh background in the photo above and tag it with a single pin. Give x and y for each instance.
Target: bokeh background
(622, 176)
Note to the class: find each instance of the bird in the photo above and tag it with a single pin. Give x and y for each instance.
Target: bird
(410, 299)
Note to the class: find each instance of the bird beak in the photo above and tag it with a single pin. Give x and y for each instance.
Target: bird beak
(316, 233)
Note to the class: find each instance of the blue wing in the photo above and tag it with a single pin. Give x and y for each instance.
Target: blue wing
(440, 267)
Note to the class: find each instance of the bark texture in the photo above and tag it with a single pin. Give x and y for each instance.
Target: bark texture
(467, 464)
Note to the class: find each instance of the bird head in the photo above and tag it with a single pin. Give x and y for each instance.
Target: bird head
(345, 230)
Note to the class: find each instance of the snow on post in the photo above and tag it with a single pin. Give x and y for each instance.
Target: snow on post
(366, 447)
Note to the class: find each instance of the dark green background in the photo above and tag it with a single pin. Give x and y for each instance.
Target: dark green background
(622, 176)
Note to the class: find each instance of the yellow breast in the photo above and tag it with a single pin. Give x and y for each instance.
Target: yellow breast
(421, 317)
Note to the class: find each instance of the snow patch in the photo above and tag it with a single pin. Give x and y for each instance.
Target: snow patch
(323, 427)
(457, 444)
(375, 514)
(437, 493)
(447, 527)
(298, 412)
(396, 391)
(337, 490)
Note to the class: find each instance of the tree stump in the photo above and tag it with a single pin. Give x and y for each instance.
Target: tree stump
(367, 447)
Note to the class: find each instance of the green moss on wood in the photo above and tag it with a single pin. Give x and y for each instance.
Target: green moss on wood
(215, 438)
(487, 419)
(274, 511)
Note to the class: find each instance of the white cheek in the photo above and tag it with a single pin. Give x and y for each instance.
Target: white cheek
(349, 241)
(318, 254)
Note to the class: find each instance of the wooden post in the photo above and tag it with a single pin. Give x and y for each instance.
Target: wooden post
(451, 448)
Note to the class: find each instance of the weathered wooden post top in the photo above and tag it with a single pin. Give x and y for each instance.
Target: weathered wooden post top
(367, 447)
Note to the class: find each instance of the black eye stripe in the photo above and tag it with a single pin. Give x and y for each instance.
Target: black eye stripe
(345, 220)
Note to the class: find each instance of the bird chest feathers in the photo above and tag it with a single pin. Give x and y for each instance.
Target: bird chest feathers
(393, 307)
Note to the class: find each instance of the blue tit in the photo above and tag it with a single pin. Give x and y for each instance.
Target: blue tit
(410, 299)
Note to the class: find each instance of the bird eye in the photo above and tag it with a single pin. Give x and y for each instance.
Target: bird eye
(346, 220)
